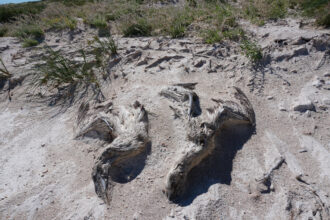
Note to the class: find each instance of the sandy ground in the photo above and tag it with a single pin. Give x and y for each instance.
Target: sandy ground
(46, 173)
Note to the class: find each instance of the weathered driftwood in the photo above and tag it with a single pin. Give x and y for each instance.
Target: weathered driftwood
(201, 132)
(186, 85)
(126, 136)
(184, 96)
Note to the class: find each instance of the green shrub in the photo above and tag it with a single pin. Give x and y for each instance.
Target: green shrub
(139, 29)
(31, 35)
(212, 36)
(98, 22)
(59, 70)
(179, 24)
(324, 21)
(319, 9)
(73, 2)
(61, 23)
(112, 17)
(107, 45)
(177, 30)
(12, 11)
(101, 24)
(30, 31)
(234, 34)
(278, 9)
(3, 31)
(30, 42)
(251, 50)
(259, 10)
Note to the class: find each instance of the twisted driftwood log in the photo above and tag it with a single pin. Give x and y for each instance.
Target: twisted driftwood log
(125, 135)
(201, 132)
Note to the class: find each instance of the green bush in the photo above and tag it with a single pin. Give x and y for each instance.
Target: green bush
(59, 70)
(319, 9)
(107, 45)
(234, 34)
(3, 31)
(30, 31)
(61, 23)
(31, 35)
(30, 42)
(251, 50)
(212, 36)
(179, 24)
(12, 11)
(98, 22)
(177, 30)
(139, 29)
(112, 16)
(324, 21)
(73, 2)
(258, 11)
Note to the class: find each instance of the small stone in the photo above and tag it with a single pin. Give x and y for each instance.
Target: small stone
(270, 97)
(308, 113)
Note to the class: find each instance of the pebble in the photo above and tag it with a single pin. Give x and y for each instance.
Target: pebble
(270, 97)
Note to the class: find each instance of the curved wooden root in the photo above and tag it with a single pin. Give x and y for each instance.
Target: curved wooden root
(125, 134)
(201, 134)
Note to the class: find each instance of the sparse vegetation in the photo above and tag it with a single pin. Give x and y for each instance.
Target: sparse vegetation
(212, 36)
(30, 31)
(251, 50)
(212, 19)
(180, 23)
(139, 29)
(31, 35)
(3, 31)
(61, 23)
(12, 12)
(30, 42)
(259, 11)
(4, 73)
(320, 9)
(107, 45)
(58, 70)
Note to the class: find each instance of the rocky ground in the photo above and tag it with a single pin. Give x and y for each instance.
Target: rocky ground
(279, 170)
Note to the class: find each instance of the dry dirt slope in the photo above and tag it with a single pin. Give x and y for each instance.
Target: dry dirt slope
(281, 170)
